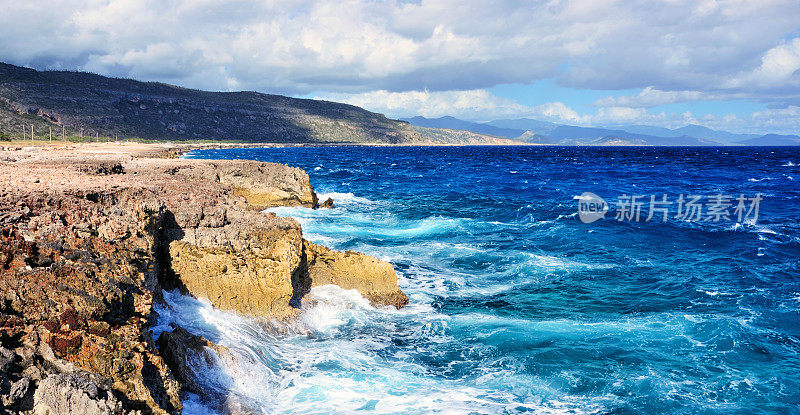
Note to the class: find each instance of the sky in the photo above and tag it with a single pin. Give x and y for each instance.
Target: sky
(725, 64)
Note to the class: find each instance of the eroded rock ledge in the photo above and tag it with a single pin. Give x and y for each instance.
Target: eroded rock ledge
(87, 241)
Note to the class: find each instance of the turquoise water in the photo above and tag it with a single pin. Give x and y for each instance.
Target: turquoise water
(518, 306)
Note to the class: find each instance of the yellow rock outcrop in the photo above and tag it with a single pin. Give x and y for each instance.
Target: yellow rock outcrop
(373, 278)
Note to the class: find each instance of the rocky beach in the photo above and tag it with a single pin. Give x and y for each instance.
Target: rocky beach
(91, 235)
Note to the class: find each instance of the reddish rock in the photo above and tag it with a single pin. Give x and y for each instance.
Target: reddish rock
(66, 344)
(52, 326)
(84, 253)
(71, 318)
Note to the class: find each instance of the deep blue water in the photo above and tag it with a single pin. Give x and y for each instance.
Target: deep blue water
(516, 305)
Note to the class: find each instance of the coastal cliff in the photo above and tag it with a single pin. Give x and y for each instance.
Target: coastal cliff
(90, 236)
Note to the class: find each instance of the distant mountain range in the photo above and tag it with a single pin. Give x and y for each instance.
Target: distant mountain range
(543, 132)
(773, 140)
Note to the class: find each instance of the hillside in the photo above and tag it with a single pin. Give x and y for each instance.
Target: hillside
(111, 107)
(460, 137)
(452, 123)
(773, 140)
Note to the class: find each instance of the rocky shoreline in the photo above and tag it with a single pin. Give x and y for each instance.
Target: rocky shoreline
(91, 235)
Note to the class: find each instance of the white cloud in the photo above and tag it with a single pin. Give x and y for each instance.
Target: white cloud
(784, 120)
(482, 105)
(476, 104)
(433, 57)
(471, 104)
(297, 47)
(780, 67)
(651, 97)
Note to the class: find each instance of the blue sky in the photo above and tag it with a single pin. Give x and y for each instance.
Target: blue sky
(582, 100)
(725, 64)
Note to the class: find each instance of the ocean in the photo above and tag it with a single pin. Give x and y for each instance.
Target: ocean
(519, 306)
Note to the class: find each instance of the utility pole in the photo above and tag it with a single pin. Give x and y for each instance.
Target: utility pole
(31, 132)
(96, 136)
(63, 137)
(51, 133)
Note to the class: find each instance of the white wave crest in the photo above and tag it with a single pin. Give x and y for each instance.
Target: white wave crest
(345, 198)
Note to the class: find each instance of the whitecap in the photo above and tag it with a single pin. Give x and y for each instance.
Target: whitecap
(345, 198)
(337, 358)
(571, 215)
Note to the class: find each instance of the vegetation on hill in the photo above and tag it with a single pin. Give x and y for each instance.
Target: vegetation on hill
(88, 105)
(462, 137)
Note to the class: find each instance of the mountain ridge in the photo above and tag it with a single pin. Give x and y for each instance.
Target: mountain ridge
(543, 132)
(91, 104)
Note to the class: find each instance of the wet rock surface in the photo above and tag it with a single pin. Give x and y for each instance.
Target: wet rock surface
(373, 278)
(89, 239)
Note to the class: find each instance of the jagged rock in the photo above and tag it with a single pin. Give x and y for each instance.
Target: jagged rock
(18, 391)
(102, 168)
(189, 357)
(254, 279)
(195, 361)
(263, 185)
(6, 358)
(327, 204)
(67, 394)
(373, 278)
(83, 257)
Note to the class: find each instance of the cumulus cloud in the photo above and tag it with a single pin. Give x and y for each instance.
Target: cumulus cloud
(482, 105)
(298, 47)
(651, 97)
(466, 104)
(432, 57)
(477, 104)
(780, 67)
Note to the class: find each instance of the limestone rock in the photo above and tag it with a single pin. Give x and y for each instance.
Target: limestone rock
(249, 266)
(327, 204)
(195, 361)
(68, 394)
(373, 278)
(17, 393)
(189, 358)
(262, 185)
(85, 252)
